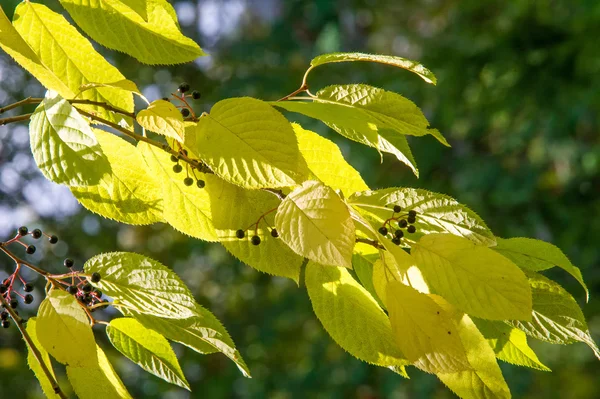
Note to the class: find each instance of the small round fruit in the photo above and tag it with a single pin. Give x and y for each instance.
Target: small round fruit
(397, 208)
(28, 287)
(87, 287)
(184, 87)
(255, 240)
(399, 233)
(196, 95)
(165, 98)
(174, 158)
(14, 303)
(396, 240)
(53, 239)
(5, 323)
(98, 293)
(412, 213)
(411, 229)
(37, 233)
(274, 233)
(23, 230)
(411, 220)
(200, 183)
(185, 112)
(30, 249)
(4, 315)
(383, 230)
(69, 263)
(72, 290)
(188, 181)
(240, 234)
(96, 277)
(177, 168)
(402, 223)
(28, 299)
(3, 289)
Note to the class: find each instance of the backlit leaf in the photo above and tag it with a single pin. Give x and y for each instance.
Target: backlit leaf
(164, 118)
(34, 365)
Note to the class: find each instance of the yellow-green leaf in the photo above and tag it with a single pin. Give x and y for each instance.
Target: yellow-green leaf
(139, 6)
(155, 39)
(351, 316)
(326, 162)
(247, 142)
(34, 364)
(63, 144)
(149, 349)
(129, 194)
(98, 380)
(424, 331)
(63, 325)
(391, 60)
(164, 118)
(71, 57)
(124, 84)
(509, 344)
(316, 224)
(473, 278)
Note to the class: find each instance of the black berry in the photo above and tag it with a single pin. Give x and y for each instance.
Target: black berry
(411, 229)
(188, 181)
(177, 168)
(383, 230)
(200, 183)
(196, 95)
(98, 293)
(274, 233)
(240, 233)
(14, 303)
(411, 219)
(396, 240)
(255, 240)
(184, 87)
(30, 249)
(23, 230)
(69, 263)
(28, 287)
(174, 158)
(37, 233)
(3, 289)
(96, 277)
(72, 290)
(165, 98)
(4, 315)
(412, 213)
(53, 239)
(185, 112)
(399, 233)
(397, 208)
(5, 323)
(402, 223)
(28, 299)
(87, 287)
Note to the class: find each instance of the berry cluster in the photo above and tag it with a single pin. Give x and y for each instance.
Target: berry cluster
(177, 168)
(83, 291)
(186, 108)
(401, 221)
(255, 239)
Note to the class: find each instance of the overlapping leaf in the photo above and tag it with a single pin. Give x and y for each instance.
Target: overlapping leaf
(351, 316)
(153, 38)
(62, 325)
(63, 144)
(164, 118)
(34, 364)
(473, 278)
(142, 285)
(149, 349)
(129, 194)
(557, 317)
(537, 255)
(437, 213)
(247, 142)
(316, 224)
(71, 58)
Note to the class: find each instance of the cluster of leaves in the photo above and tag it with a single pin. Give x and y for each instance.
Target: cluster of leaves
(398, 276)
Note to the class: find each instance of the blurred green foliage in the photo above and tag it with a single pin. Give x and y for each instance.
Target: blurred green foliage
(517, 97)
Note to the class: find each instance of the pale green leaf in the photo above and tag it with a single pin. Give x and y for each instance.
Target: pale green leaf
(473, 278)
(247, 142)
(436, 213)
(34, 364)
(203, 333)
(97, 381)
(139, 6)
(399, 62)
(509, 344)
(152, 40)
(484, 380)
(129, 194)
(63, 144)
(146, 347)
(72, 58)
(316, 224)
(186, 208)
(557, 318)
(326, 162)
(124, 84)
(142, 284)
(362, 264)
(351, 316)
(15, 46)
(62, 325)
(537, 255)
(164, 118)
(424, 331)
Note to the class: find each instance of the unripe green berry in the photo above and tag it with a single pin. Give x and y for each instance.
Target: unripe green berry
(28, 287)
(185, 112)
(23, 230)
(240, 234)
(96, 277)
(28, 299)
(69, 263)
(411, 229)
(188, 181)
(397, 208)
(30, 249)
(53, 239)
(200, 183)
(383, 230)
(255, 240)
(37, 233)
(177, 168)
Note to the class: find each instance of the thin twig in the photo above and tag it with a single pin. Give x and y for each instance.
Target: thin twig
(20, 118)
(370, 242)
(28, 100)
(103, 105)
(278, 193)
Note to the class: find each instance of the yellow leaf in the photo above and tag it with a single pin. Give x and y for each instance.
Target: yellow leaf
(164, 118)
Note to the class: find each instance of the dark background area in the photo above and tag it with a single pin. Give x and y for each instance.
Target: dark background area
(517, 98)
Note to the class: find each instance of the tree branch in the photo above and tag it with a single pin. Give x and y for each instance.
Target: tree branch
(370, 242)
(28, 100)
(103, 105)
(20, 118)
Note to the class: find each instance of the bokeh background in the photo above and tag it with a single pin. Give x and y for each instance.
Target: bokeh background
(517, 97)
